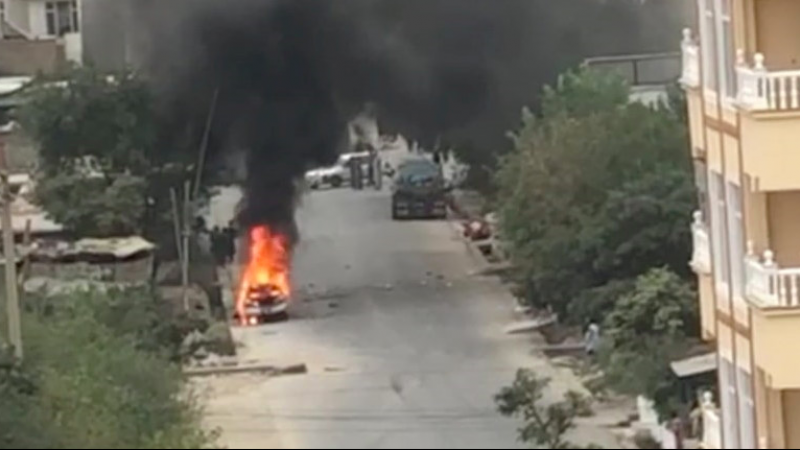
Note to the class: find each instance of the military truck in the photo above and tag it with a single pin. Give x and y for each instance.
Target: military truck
(419, 190)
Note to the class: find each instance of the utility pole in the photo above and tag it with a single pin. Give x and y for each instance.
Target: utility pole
(187, 231)
(9, 252)
(204, 145)
(191, 194)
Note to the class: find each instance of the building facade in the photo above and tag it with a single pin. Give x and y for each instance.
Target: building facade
(39, 35)
(741, 73)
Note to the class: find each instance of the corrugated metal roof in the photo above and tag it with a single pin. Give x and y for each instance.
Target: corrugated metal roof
(695, 365)
(119, 248)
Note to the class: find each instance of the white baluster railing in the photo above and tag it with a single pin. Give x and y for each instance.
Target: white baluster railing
(701, 245)
(770, 285)
(764, 90)
(712, 425)
(690, 54)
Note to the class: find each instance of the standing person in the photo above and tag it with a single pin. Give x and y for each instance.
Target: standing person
(592, 338)
(217, 246)
(230, 244)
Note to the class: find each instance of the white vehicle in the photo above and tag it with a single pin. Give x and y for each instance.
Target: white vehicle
(336, 175)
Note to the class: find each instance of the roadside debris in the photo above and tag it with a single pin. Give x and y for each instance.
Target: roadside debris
(531, 325)
(251, 367)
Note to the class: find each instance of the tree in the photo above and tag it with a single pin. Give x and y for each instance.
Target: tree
(580, 196)
(96, 206)
(104, 170)
(650, 326)
(545, 425)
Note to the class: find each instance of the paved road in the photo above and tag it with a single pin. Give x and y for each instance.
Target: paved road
(405, 348)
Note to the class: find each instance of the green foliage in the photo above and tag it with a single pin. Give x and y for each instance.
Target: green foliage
(644, 369)
(661, 305)
(650, 326)
(90, 114)
(94, 378)
(595, 200)
(545, 424)
(96, 206)
(597, 189)
(108, 122)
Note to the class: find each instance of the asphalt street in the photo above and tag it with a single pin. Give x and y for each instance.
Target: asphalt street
(404, 344)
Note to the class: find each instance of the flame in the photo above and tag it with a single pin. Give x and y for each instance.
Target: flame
(267, 264)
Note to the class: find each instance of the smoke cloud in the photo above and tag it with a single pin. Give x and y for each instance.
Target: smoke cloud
(291, 73)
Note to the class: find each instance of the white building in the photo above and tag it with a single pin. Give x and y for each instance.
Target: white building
(39, 34)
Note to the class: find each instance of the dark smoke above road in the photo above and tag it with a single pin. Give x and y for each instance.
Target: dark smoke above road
(291, 73)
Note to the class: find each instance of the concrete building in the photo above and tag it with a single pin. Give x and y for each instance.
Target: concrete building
(110, 36)
(39, 35)
(742, 81)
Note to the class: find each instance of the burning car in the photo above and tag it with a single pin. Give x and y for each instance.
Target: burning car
(264, 291)
(264, 302)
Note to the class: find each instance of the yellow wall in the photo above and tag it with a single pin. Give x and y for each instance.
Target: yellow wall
(791, 417)
(749, 25)
(778, 33)
(695, 108)
(770, 149)
(760, 398)
(714, 152)
(775, 338)
(732, 172)
(755, 216)
(784, 223)
(776, 435)
(707, 312)
(743, 359)
(725, 341)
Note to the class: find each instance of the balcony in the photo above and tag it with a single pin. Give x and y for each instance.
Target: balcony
(690, 54)
(701, 246)
(712, 425)
(764, 90)
(769, 102)
(769, 286)
(774, 295)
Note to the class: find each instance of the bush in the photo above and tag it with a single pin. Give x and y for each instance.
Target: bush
(95, 378)
(654, 324)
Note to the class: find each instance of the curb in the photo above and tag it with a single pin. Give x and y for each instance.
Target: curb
(234, 369)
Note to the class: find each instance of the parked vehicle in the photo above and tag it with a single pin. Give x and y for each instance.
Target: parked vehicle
(337, 175)
(419, 190)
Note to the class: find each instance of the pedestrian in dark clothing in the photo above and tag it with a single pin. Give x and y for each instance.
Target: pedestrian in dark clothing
(230, 244)
(217, 246)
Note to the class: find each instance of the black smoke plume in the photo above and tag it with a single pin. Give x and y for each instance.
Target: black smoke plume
(291, 73)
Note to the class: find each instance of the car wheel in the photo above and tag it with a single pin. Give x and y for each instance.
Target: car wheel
(314, 186)
(336, 181)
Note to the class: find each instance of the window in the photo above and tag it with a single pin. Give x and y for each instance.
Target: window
(747, 429)
(736, 227)
(729, 404)
(708, 44)
(62, 17)
(719, 236)
(727, 48)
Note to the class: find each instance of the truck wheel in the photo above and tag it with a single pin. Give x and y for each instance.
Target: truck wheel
(336, 181)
